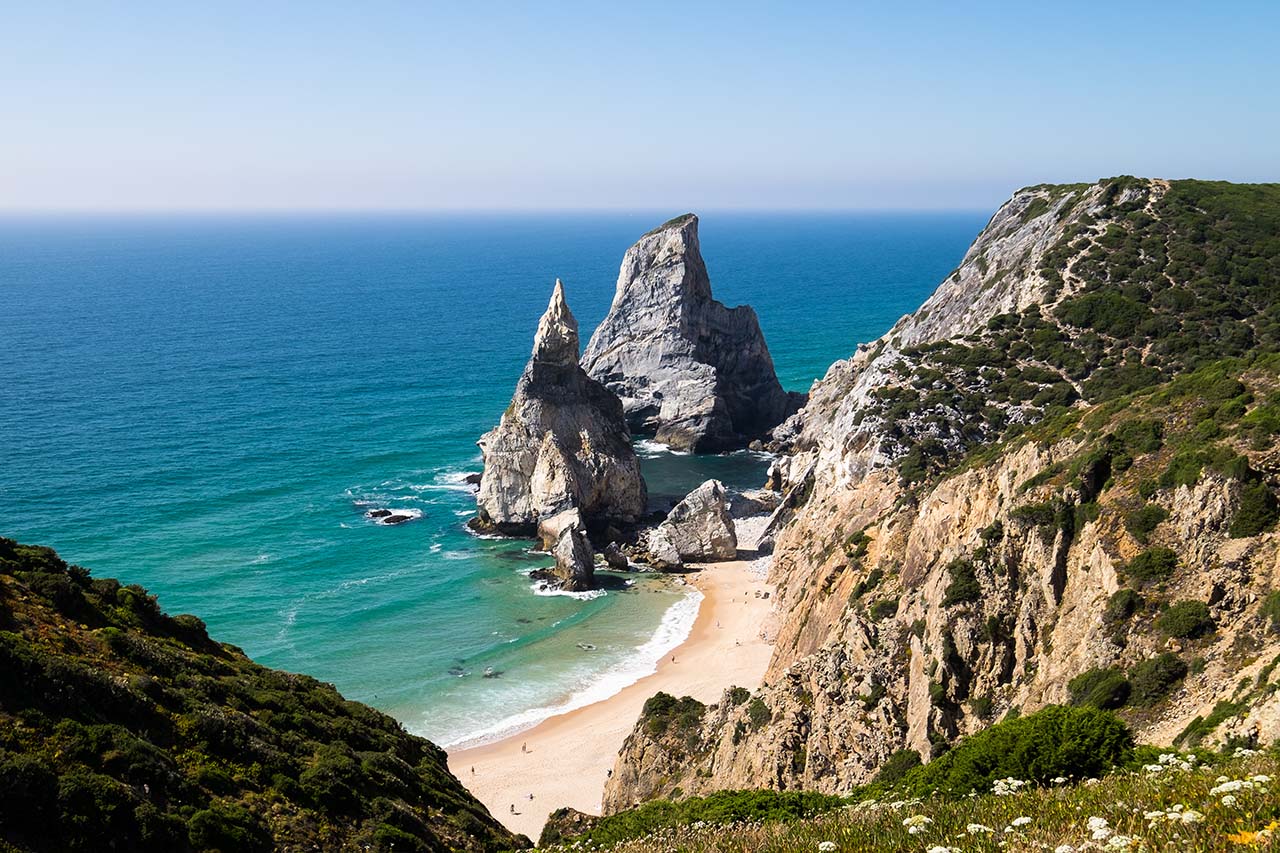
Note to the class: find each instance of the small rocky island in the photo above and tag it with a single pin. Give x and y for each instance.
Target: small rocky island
(690, 371)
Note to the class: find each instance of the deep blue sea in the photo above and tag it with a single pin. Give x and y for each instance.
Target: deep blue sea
(208, 405)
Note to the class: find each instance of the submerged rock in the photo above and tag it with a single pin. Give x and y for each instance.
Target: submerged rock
(562, 443)
(690, 371)
(699, 529)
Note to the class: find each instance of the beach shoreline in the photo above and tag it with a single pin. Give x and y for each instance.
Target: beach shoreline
(565, 759)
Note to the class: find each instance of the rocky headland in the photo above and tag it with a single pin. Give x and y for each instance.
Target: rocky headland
(1055, 483)
(689, 371)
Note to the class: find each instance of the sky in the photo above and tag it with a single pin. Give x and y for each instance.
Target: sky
(319, 106)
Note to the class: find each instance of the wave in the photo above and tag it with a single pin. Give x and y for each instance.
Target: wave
(541, 588)
(649, 448)
(674, 629)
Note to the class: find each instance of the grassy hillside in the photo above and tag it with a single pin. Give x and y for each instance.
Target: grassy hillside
(1063, 779)
(123, 728)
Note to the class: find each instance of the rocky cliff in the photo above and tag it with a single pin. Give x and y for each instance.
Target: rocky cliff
(690, 371)
(1054, 483)
(562, 443)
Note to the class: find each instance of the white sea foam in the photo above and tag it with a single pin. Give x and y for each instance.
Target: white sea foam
(413, 514)
(649, 448)
(541, 588)
(674, 629)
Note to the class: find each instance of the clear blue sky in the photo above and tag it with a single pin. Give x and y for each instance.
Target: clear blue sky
(274, 105)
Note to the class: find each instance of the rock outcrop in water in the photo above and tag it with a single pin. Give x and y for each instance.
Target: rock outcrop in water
(699, 529)
(562, 443)
(565, 536)
(690, 371)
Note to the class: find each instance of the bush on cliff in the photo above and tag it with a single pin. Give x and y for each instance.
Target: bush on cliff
(1055, 741)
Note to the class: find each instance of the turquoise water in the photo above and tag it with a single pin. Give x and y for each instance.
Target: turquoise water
(206, 406)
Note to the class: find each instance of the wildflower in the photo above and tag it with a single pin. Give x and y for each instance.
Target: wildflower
(1191, 816)
(1100, 829)
(977, 828)
(826, 846)
(1021, 821)
(1261, 779)
(917, 823)
(1229, 800)
(1058, 780)
(1064, 848)
(1119, 842)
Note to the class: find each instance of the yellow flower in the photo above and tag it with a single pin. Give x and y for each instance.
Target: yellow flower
(1244, 836)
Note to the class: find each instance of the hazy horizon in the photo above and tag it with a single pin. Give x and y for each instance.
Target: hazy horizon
(394, 107)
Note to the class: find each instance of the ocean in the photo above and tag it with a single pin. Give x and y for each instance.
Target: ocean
(207, 406)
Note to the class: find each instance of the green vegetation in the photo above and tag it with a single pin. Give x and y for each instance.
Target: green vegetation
(1122, 604)
(1185, 620)
(896, 767)
(121, 724)
(1271, 609)
(664, 713)
(1055, 741)
(1152, 679)
(1143, 521)
(964, 586)
(1100, 688)
(1152, 565)
(1257, 512)
(1142, 810)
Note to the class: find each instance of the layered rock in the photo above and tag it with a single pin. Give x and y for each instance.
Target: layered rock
(563, 443)
(946, 555)
(699, 529)
(690, 371)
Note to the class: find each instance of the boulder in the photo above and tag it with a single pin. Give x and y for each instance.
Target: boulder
(615, 558)
(563, 443)
(691, 372)
(700, 528)
(565, 536)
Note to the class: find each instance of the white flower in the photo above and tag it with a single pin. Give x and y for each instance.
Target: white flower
(1191, 816)
(1229, 800)
(1119, 842)
(1100, 828)
(976, 828)
(917, 823)
(1058, 780)
(826, 846)
(1261, 779)
(1021, 821)
(1064, 848)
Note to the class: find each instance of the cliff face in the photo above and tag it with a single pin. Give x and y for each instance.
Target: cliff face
(561, 444)
(690, 371)
(124, 728)
(1048, 485)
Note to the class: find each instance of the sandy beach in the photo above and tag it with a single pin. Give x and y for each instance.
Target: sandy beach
(569, 755)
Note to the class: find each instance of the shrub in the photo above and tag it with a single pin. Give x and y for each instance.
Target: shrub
(1141, 435)
(1055, 741)
(1099, 688)
(758, 714)
(964, 585)
(1186, 620)
(1122, 604)
(738, 695)
(896, 766)
(1152, 679)
(1153, 564)
(883, 609)
(663, 711)
(227, 827)
(1141, 522)
(1271, 609)
(1257, 511)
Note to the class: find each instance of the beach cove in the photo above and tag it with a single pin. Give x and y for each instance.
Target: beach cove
(565, 760)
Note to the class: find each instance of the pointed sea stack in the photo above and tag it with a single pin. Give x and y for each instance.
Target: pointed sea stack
(562, 443)
(691, 372)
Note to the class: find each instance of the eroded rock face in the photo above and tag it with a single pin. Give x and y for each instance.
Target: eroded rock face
(690, 371)
(562, 443)
(699, 529)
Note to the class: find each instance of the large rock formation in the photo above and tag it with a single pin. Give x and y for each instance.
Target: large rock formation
(562, 443)
(1015, 487)
(698, 529)
(690, 371)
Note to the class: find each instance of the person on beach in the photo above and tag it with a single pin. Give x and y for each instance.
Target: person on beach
(524, 747)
